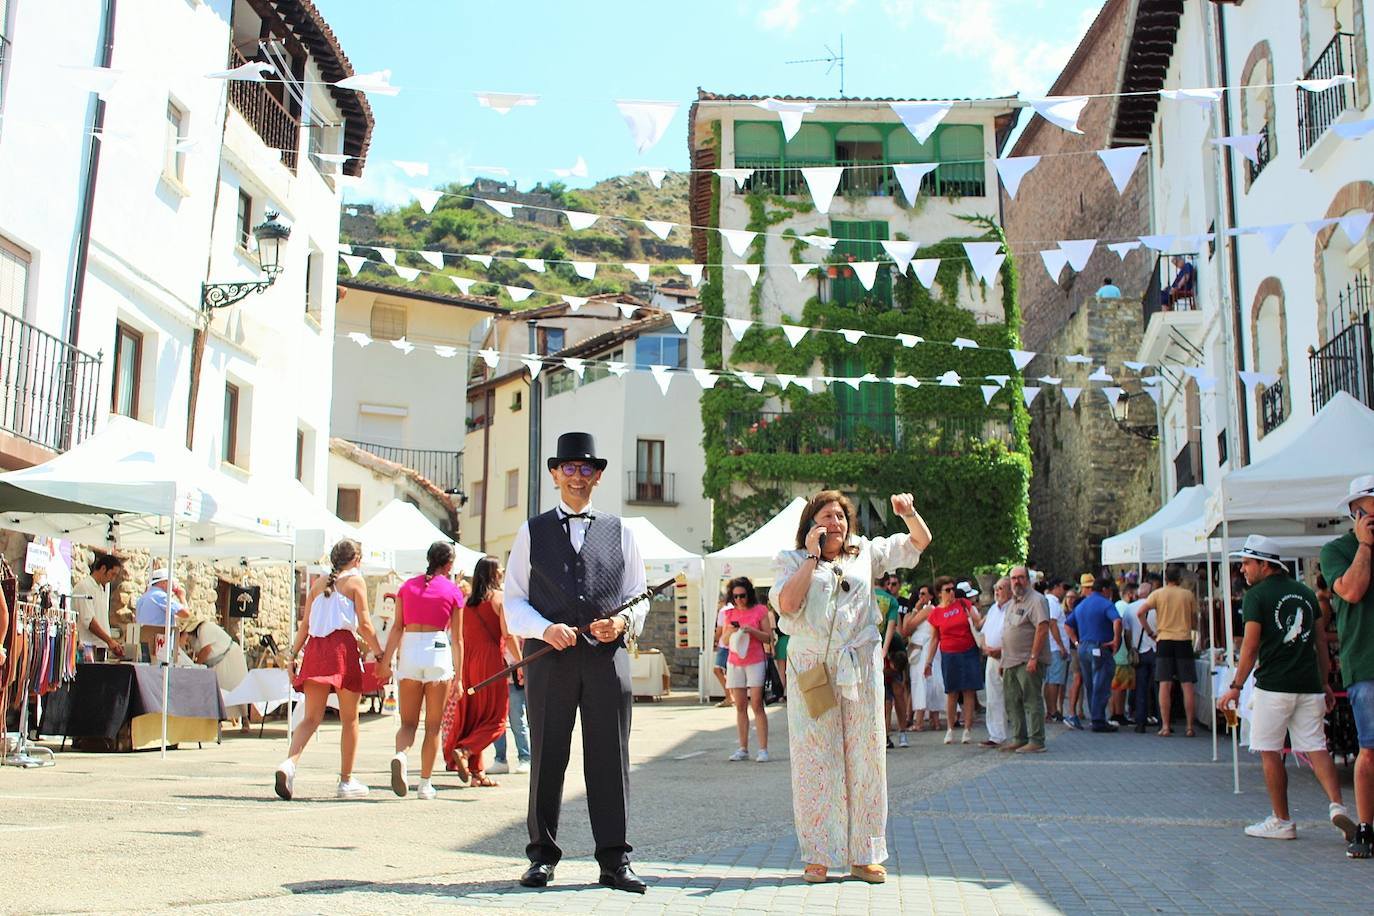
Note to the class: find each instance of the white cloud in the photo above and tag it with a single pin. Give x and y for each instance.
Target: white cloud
(784, 15)
(900, 13)
(974, 30)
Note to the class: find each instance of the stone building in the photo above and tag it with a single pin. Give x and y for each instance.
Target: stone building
(1090, 478)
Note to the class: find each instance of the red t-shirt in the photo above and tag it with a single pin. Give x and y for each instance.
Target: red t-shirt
(952, 622)
(748, 617)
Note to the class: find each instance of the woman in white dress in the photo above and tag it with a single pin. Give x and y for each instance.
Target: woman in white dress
(927, 692)
(824, 593)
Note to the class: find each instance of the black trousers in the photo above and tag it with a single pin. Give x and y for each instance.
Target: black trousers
(594, 682)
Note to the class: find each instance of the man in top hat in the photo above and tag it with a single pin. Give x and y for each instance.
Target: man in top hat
(1291, 696)
(567, 568)
(1346, 566)
(161, 598)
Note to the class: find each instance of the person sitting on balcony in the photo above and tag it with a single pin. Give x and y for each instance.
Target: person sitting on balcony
(1180, 293)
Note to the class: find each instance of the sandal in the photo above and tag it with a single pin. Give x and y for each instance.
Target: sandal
(1164, 733)
(1190, 734)
(814, 874)
(483, 781)
(873, 874)
(459, 765)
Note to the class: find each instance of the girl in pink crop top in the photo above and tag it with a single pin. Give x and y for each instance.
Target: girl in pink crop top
(429, 601)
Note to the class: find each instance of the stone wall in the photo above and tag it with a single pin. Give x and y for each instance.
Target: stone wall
(1087, 475)
(660, 632)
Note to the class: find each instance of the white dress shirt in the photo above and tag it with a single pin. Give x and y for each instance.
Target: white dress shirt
(992, 627)
(523, 619)
(91, 603)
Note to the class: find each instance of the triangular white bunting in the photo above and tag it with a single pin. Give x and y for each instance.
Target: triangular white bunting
(404, 346)
(1049, 380)
(1251, 379)
(822, 181)
(681, 320)
(692, 272)
(627, 309)
(1122, 249)
(1121, 163)
(584, 269)
(851, 381)
(705, 377)
(464, 284)
(1001, 380)
(618, 369)
(1078, 359)
(963, 343)
(866, 271)
(1158, 242)
(738, 176)
(1028, 394)
(749, 270)
(534, 264)
(408, 274)
(793, 333)
(579, 220)
(921, 118)
(1071, 395)
(784, 380)
(1151, 380)
(446, 352)
(1245, 144)
(1355, 225)
(662, 376)
(985, 258)
(1112, 394)
(575, 365)
(1100, 375)
(1324, 83)
(950, 379)
(801, 270)
(659, 227)
(483, 259)
(789, 113)
(905, 380)
(641, 271)
(434, 258)
(852, 335)
(823, 242)
(737, 327)
(739, 240)
(1079, 251)
(387, 254)
(490, 357)
(575, 302)
(1055, 259)
(805, 382)
(427, 198)
(1061, 111)
(503, 102)
(1273, 235)
(519, 293)
(1133, 365)
(1153, 394)
(354, 263)
(901, 252)
(1012, 169)
(503, 207)
(656, 177)
(1021, 358)
(647, 121)
(925, 270)
(909, 177)
(909, 340)
(359, 338)
(533, 363)
(989, 392)
(752, 380)
(1203, 98)
(1317, 225)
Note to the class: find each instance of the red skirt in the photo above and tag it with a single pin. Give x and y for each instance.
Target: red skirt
(332, 660)
(471, 723)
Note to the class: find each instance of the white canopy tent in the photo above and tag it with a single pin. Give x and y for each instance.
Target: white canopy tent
(1145, 542)
(133, 485)
(752, 556)
(402, 531)
(662, 555)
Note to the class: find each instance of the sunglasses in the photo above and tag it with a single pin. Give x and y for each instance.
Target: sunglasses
(947, 588)
(573, 468)
(738, 595)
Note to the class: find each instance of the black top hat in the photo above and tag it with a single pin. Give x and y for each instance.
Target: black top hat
(577, 447)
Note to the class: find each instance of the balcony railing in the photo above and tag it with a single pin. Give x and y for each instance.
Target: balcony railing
(1319, 110)
(1160, 292)
(654, 487)
(865, 179)
(442, 468)
(48, 388)
(1272, 412)
(1263, 152)
(269, 118)
(1352, 302)
(1344, 364)
(771, 432)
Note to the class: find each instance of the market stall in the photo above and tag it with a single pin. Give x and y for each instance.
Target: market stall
(402, 534)
(1145, 542)
(663, 559)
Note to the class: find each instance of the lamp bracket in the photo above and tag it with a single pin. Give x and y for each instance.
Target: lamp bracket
(219, 295)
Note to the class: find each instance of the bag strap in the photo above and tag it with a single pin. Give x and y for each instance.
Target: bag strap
(830, 606)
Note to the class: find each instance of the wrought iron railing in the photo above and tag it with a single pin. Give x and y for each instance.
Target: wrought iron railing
(865, 179)
(1352, 301)
(1318, 110)
(269, 118)
(1160, 294)
(772, 432)
(1263, 152)
(48, 388)
(1272, 411)
(1343, 364)
(654, 487)
(440, 467)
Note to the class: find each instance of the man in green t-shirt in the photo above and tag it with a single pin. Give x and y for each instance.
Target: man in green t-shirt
(896, 677)
(1291, 696)
(1346, 566)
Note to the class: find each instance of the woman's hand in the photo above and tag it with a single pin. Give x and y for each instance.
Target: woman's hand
(813, 540)
(383, 670)
(903, 504)
(929, 669)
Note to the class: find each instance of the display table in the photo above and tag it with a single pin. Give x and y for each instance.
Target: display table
(649, 674)
(105, 700)
(265, 688)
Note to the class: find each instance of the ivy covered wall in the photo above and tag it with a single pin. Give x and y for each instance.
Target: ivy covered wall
(966, 461)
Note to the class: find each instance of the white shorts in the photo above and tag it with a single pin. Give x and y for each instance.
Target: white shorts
(425, 657)
(1300, 715)
(744, 675)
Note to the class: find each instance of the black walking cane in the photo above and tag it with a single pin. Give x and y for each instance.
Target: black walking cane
(648, 594)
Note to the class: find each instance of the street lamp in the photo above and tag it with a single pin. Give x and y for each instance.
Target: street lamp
(271, 236)
(1121, 414)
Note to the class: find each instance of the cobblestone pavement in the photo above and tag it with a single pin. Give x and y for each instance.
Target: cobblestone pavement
(1102, 824)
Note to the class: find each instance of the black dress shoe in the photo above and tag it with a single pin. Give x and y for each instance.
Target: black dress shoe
(623, 879)
(539, 874)
(1105, 727)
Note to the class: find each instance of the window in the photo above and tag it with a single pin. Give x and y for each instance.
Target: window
(230, 440)
(314, 283)
(244, 226)
(128, 362)
(477, 500)
(300, 455)
(597, 371)
(551, 340)
(661, 350)
(859, 241)
(388, 322)
(480, 409)
(649, 471)
(348, 504)
(174, 163)
(561, 380)
(517, 400)
(14, 277)
(512, 488)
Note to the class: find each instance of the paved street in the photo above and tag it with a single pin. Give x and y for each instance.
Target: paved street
(1104, 823)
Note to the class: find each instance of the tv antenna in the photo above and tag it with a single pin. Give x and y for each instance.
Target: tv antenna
(833, 59)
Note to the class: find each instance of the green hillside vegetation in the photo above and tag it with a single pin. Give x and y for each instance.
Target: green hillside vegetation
(459, 225)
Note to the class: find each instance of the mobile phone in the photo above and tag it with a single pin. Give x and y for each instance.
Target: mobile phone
(821, 542)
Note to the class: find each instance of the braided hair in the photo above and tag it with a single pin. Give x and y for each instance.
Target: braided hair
(440, 554)
(342, 554)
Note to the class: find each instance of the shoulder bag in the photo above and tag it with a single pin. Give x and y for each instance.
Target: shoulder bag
(816, 687)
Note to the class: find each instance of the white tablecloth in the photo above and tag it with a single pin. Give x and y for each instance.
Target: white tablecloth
(265, 688)
(649, 675)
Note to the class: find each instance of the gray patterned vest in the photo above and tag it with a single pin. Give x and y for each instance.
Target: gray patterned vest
(569, 587)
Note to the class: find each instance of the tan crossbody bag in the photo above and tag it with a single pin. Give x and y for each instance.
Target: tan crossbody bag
(814, 683)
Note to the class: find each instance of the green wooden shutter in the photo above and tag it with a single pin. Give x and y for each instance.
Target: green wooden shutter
(860, 240)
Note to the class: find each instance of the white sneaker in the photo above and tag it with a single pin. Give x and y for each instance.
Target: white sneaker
(426, 791)
(741, 754)
(522, 767)
(966, 738)
(351, 789)
(949, 736)
(498, 767)
(399, 780)
(286, 778)
(901, 740)
(762, 757)
(1340, 817)
(1272, 828)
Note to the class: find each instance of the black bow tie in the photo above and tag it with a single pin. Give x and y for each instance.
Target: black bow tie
(565, 517)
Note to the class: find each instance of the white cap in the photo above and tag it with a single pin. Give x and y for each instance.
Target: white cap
(1259, 547)
(966, 589)
(159, 575)
(1359, 487)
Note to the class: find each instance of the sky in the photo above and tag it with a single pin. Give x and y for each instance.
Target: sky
(580, 57)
